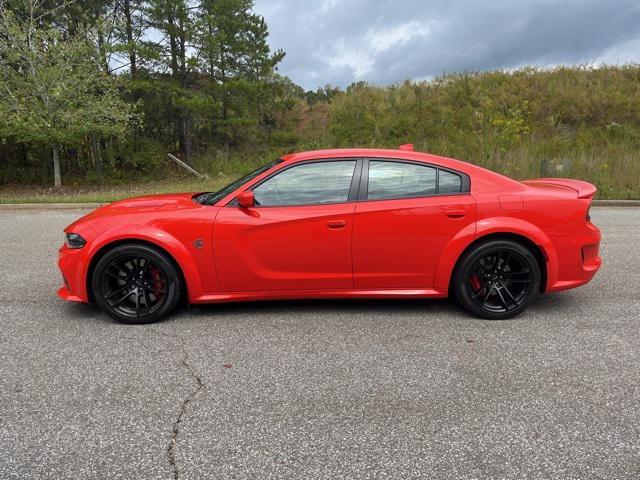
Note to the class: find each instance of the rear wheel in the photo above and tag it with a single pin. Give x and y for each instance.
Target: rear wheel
(136, 284)
(497, 279)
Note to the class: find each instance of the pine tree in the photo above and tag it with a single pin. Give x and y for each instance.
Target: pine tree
(172, 18)
(259, 63)
(232, 44)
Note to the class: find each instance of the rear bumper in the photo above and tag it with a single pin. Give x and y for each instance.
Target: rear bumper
(578, 248)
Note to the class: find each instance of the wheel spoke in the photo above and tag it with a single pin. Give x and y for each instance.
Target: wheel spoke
(127, 295)
(506, 261)
(486, 297)
(113, 294)
(116, 271)
(502, 299)
(145, 269)
(137, 304)
(147, 300)
(117, 276)
(513, 299)
(524, 271)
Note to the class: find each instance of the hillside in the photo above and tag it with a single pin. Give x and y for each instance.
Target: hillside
(577, 122)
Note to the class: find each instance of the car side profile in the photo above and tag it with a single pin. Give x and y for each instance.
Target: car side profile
(353, 223)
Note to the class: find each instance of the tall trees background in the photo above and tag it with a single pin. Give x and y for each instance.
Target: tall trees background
(98, 91)
(119, 81)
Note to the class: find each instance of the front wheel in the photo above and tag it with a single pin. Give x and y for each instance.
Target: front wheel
(497, 279)
(136, 284)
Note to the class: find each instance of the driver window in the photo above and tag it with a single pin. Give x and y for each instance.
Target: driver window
(308, 184)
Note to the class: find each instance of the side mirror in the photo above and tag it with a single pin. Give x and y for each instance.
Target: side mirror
(246, 200)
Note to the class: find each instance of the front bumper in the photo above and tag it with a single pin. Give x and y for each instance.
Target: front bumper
(578, 247)
(73, 266)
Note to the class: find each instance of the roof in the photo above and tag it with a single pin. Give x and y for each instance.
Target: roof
(378, 153)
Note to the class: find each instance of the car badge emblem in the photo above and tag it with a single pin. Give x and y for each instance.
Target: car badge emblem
(199, 243)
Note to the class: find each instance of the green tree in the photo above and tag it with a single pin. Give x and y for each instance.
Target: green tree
(54, 92)
(233, 51)
(259, 62)
(172, 18)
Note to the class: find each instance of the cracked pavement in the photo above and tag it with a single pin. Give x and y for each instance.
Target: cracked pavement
(366, 389)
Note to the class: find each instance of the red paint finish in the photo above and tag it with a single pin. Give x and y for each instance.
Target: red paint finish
(284, 248)
(398, 243)
(358, 248)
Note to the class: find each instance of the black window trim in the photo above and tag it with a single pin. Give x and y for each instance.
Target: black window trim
(353, 189)
(358, 191)
(363, 191)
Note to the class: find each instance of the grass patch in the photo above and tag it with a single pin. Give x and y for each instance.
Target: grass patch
(105, 194)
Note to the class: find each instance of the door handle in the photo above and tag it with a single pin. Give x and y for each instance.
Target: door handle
(336, 224)
(456, 213)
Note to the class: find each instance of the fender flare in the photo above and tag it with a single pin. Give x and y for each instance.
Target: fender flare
(156, 237)
(492, 226)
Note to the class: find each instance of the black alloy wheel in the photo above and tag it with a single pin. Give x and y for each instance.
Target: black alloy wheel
(497, 279)
(136, 284)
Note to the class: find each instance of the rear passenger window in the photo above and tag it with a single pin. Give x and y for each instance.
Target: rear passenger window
(449, 182)
(388, 180)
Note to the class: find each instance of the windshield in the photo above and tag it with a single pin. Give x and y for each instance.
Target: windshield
(210, 198)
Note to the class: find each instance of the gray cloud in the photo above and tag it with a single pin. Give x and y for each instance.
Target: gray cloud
(387, 41)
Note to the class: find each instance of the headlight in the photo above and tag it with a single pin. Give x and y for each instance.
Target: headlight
(73, 240)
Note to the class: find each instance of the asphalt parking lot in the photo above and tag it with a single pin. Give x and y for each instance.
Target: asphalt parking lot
(367, 389)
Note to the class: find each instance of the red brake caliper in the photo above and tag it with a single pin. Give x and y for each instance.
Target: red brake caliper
(156, 285)
(475, 283)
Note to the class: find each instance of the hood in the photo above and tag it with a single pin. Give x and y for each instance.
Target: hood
(168, 201)
(145, 206)
(580, 188)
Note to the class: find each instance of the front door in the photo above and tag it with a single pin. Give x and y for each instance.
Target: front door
(298, 235)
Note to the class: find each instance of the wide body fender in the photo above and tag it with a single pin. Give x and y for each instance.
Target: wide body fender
(491, 226)
(159, 238)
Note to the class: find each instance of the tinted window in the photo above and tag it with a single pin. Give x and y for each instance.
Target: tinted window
(307, 184)
(400, 180)
(449, 182)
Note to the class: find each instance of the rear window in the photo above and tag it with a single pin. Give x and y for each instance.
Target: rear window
(449, 182)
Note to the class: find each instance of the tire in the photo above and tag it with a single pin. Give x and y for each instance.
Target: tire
(497, 279)
(136, 284)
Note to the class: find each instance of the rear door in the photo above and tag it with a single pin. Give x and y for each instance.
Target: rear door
(298, 235)
(407, 214)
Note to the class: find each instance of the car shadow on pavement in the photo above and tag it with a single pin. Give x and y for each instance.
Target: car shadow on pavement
(436, 309)
(384, 307)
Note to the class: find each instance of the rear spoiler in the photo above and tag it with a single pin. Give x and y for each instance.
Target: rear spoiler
(583, 189)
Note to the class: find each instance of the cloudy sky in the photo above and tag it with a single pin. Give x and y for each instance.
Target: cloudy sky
(385, 41)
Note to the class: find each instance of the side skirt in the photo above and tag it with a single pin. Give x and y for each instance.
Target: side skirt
(313, 294)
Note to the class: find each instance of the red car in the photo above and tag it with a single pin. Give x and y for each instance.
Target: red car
(358, 223)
